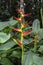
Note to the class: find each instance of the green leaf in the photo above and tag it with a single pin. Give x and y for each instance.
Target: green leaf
(41, 34)
(41, 49)
(4, 37)
(31, 58)
(36, 26)
(7, 23)
(8, 45)
(3, 53)
(11, 18)
(27, 41)
(6, 61)
(16, 54)
(40, 42)
(27, 28)
(12, 22)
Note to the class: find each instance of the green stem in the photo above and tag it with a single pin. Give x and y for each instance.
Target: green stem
(22, 46)
(35, 47)
(41, 15)
(22, 55)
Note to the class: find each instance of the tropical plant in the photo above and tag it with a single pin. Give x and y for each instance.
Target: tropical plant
(20, 42)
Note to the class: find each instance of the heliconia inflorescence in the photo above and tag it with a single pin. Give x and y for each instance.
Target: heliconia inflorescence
(23, 25)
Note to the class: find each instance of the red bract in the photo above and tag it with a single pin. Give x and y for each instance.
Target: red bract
(23, 15)
(16, 29)
(19, 11)
(18, 19)
(26, 33)
(17, 42)
(25, 25)
(27, 14)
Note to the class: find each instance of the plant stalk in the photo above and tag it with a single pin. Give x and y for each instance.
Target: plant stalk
(35, 47)
(22, 55)
(22, 46)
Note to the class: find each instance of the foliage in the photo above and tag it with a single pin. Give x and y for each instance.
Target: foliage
(19, 40)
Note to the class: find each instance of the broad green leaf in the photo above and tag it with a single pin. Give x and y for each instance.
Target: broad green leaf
(41, 34)
(41, 49)
(7, 23)
(8, 45)
(11, 18)
(12, 22)
(16, 54)
(36, 26)
(31, 58)
(6, 61)
(27, 28)
(3, 53)
(27, 41)
(4, 37)
(41, 41)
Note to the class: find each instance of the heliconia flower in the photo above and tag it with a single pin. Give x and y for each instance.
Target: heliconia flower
(19, 19)
(19, 11)
(24, 15)
(25, 25)
(26, 33)
(16, 29)
(17, 42)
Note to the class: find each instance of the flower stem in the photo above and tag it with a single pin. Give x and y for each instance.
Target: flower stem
(22, 46)
(35, 46)
(22, 55)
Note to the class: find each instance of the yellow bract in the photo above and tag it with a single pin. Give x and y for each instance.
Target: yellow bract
(15, 40)
(22, 26)
(20, 30)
